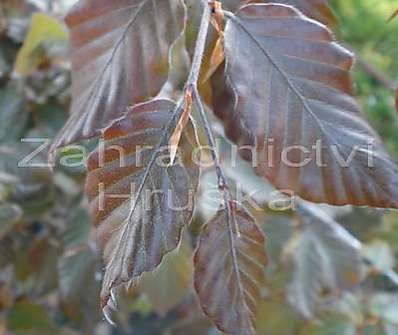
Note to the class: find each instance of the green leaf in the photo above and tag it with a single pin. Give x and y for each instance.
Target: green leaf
(10, 214)
(8, 52)
(171, 282)
(79, 286)
(277, 317)
(375, 329)
(26, 318)
(31, 188)
(331, 325)
(12, 112)
(50, 118)
(46, 32)
(78, 228)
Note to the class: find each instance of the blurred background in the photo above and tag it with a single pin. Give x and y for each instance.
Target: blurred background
(50, 268)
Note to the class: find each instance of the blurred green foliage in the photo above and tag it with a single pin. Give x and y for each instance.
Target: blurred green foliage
(49, 265)
(364, 27)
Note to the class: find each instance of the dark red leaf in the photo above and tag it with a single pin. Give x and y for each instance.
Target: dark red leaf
(138, 200)
(120, 56)
(295, 106)
(229, 270)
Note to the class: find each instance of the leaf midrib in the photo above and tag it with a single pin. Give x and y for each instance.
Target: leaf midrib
(116, 47)
(285, 76)
(235, 263)
(174, 115)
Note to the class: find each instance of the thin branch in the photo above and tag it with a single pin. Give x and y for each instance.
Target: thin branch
(222, 184)
(171, 124)
(193, 81)
(179, 109)
(229, 202)
(200, 46)
(193, 85)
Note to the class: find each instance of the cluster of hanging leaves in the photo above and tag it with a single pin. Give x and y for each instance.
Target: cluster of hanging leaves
(284, 79)
(278, 75)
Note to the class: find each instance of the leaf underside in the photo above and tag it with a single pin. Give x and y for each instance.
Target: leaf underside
(120, 56)
(143, 206)
(292, 87)
(229, 270)
(326, 257)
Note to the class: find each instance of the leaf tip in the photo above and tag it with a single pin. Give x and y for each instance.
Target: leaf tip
(107, 312)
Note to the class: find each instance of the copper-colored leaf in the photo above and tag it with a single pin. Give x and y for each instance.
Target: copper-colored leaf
(217, 18)
(217, 56)
(294, 104)
(229, 270)
(216, 59)
(138, 200)
(315, 9)
(176, 136)
(120, 56)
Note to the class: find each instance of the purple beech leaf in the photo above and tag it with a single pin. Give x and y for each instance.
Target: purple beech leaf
(294, 106)
(120, 56)
(139, 202)
(229, 270)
